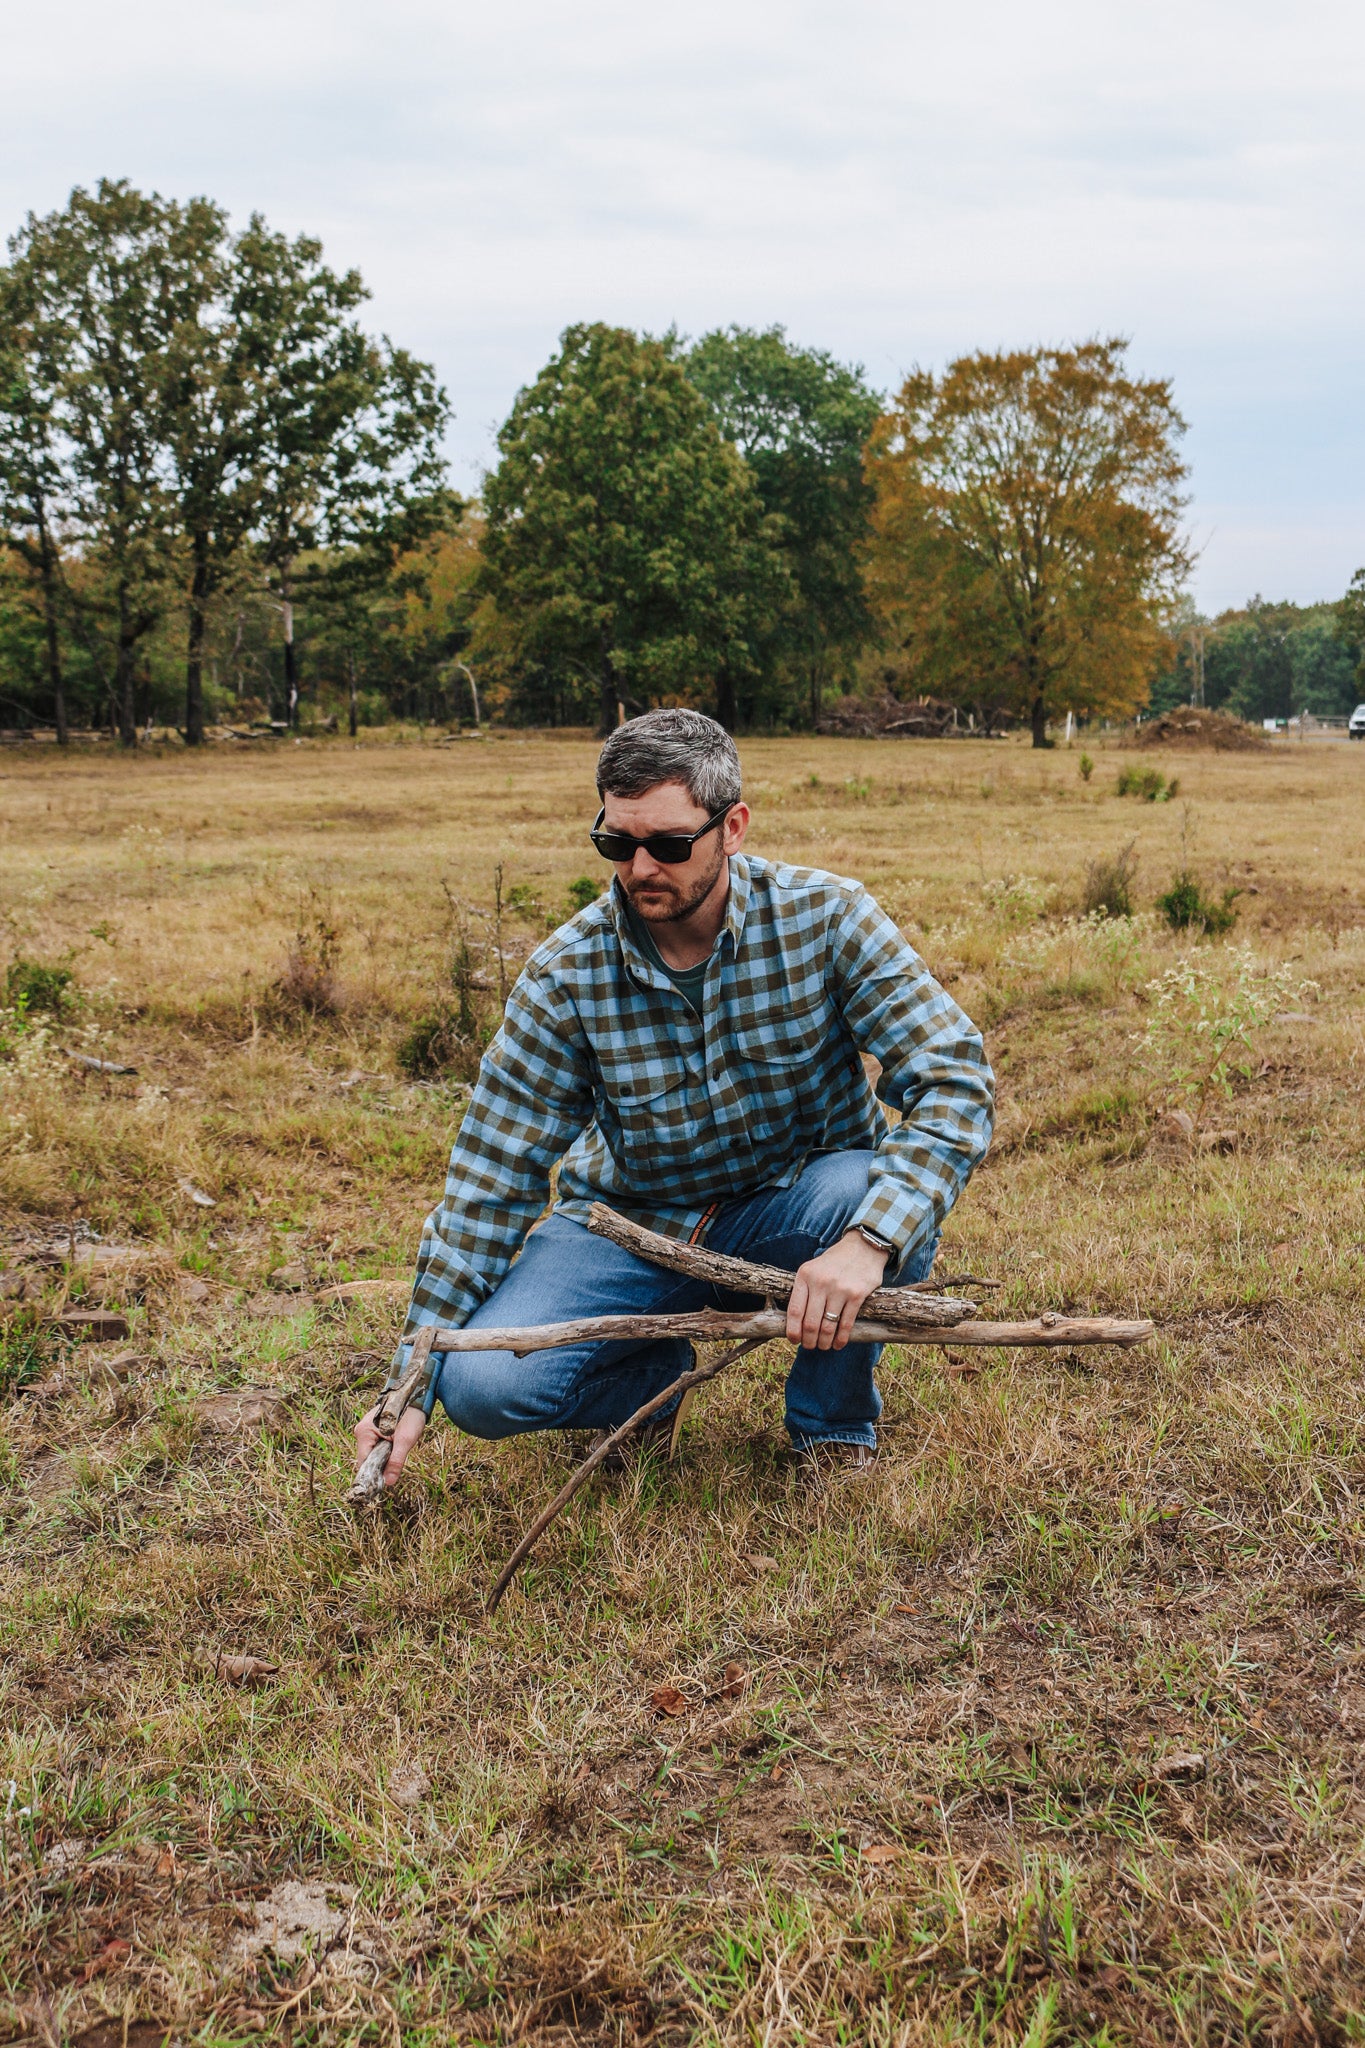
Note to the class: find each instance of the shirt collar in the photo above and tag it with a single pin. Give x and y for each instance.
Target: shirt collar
(736, 910)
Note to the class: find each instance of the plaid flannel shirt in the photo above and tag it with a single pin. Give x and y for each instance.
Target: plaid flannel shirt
(602, 1067)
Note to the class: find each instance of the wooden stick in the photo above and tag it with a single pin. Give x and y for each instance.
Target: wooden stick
(693, 1378)
(905, 1305)
(368, 1484)
(709, 1325)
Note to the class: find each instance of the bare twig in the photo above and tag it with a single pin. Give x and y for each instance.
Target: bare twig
(907, 1305)
(694, 1378)
(369, 1480)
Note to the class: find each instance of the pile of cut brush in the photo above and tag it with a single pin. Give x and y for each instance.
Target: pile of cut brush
(1190, 725)
(888, 717)
(915, 1314)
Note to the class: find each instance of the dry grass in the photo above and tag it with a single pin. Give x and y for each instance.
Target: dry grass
(1051, 1731)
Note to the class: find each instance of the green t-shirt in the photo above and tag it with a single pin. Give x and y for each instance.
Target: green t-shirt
(688, 981)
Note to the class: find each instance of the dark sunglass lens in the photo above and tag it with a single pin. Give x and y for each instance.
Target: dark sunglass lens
(612, 846)
(672, 852)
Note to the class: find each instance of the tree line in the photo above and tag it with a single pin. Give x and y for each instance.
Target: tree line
(221, 498)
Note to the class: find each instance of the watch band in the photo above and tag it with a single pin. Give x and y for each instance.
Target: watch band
(880, 1244)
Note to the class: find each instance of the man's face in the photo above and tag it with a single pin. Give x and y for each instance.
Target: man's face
(664, 894)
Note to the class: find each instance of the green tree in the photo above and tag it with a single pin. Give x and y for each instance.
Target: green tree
(109, 277)
(351, 432)
(31, 478)
(1349, 613)
(626, 543)
(801, 421)
(1026, 535)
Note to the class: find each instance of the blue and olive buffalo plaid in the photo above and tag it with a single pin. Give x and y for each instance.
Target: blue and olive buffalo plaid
(602, 1067)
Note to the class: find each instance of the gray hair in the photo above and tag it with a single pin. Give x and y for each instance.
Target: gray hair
(672, 746)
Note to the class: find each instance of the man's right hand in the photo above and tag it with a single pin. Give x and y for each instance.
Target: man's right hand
(410, 1426)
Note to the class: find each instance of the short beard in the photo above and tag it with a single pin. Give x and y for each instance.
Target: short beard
(682, 906)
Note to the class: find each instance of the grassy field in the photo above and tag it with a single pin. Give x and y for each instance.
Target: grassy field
(1049, 1733)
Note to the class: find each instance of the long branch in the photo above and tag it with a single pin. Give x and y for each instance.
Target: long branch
(711, 1326)
(693, 1378)
(902, 1305)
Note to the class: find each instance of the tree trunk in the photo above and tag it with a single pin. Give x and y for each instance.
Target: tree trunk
(725, 700)
(1039, 721)
(350, 660)
(291, 672)
(56, 681)
(124, 676)
(194, 663)
(606, 713)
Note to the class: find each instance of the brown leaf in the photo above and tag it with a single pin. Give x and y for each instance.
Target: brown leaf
(878, 1853)
(110, 1957)
(1181, 1768)
(757, 1562)
(904, 1607)
(736, 1680)
(776, 1774)
(98, 1325)
(666, 1699)
(241, 1669)
(245, 1409)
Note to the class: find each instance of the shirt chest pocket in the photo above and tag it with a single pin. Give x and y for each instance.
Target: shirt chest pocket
(651, 1108)
(780, 1059)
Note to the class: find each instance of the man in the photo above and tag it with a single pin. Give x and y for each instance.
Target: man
(688, 1050)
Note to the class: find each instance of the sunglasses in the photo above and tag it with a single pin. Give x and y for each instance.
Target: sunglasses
(670, 849)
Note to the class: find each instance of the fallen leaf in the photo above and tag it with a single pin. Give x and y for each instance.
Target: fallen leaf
(241, 1669)
(165, 1862)
(666, 1699)
(1181, 1768)
(758, 1563)
(246, 1408)
(95, 1323)
(294, 1275)
(882, 1852)
(110, 1957)
(776, 1774)
(736, 1679)
(193, 1290)
(196, 1195)
(904, 1607)
(362, 1290)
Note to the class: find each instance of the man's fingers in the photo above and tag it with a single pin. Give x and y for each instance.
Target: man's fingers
(796, 1308)
(410, 1426)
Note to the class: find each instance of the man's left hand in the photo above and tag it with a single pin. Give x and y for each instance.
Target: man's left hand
(830, 1290)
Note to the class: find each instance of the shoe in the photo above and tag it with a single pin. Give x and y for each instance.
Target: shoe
(823, 1463)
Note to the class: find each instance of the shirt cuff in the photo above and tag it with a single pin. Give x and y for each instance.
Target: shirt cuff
(904, 1216)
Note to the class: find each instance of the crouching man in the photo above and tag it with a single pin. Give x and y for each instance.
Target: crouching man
(688, 1050)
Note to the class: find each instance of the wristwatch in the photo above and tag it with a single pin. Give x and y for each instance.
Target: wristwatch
(879, 1244)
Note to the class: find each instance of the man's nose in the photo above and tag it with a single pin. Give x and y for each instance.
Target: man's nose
(642, 868)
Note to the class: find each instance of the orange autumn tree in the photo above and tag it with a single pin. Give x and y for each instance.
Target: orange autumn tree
(1026, 538)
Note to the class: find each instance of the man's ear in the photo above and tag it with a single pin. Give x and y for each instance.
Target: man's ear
(735, 827)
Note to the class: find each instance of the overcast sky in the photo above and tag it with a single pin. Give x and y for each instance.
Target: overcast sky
(896, 183)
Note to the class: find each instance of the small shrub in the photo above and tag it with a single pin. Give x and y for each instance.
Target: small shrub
(582, 891)
(1185, 907)
(1145, 782)
(859, 787)
(1205, 1014)
(436, 1047)
(1086, 766)
(308, 985)
(25, 1352)
(29, 986)
(521, 900)
(1108, 889)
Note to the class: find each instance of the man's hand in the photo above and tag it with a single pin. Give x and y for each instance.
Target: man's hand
(411, 1423)
(830, 1290)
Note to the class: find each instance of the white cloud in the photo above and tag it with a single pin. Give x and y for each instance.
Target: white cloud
(893, 182)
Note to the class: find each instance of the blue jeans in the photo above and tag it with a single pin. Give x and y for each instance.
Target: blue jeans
(565, 1271)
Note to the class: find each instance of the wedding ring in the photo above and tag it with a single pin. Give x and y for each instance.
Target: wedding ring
(831, 1315)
